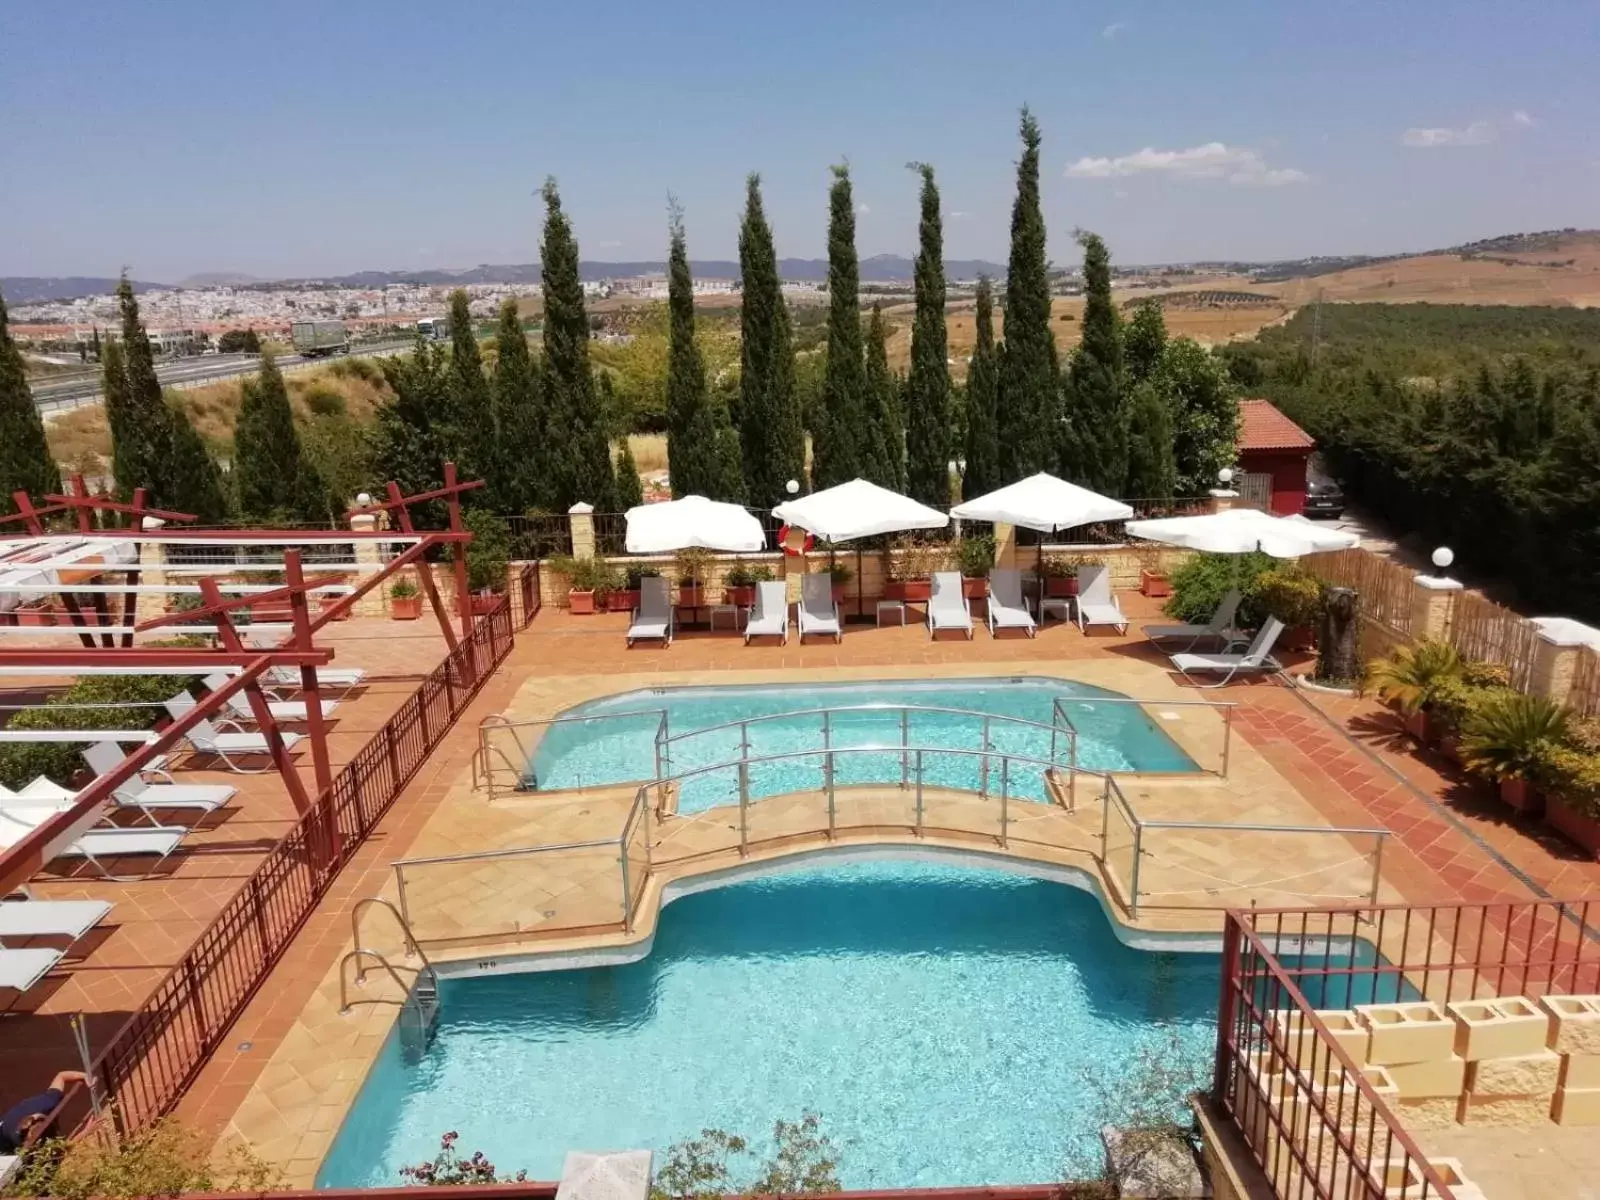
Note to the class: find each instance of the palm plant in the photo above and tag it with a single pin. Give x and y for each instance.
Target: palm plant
(1408, 677)
(1512, 736)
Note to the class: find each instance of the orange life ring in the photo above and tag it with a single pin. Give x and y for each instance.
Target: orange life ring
(783, 541)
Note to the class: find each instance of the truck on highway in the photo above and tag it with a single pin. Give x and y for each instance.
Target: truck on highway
(315, 339)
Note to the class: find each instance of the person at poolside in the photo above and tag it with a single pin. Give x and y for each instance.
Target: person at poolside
(22, 1117)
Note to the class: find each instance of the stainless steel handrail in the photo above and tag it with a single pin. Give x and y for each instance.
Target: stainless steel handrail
(499, 721)
(1224, 707)
(873, 706)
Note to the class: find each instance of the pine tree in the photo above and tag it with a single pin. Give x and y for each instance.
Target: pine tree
(266, 449)
(1095, 443)
(691, 438)
(630, 489)
(983, 447)
(771, 433)
(928, 385)
(585, 468)
(26, 464)
(474, 436)
(1152, 468)
(1027, 398)
(521, 462)
(886, 437)
(141, 427)
(838, 454)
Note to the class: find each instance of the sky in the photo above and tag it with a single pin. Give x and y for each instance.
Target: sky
(292, 139)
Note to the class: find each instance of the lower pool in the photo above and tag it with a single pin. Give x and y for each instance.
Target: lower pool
(951, 1026)
(618, 742)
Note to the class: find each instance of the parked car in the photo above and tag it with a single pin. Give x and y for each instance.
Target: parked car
(1324, 498)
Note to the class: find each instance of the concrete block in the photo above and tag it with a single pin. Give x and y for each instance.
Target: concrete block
(1516, 1075)
(1499, 1028)
(622, 1175)
(1407, 1033)
(1576, 1106)
(1455, 1178)
(1574, 1023)
(1441, 1079)
(1431, 1112)
(1343, 1101)
(1300, 1039)
(1505, 1110)
(1580, 1071)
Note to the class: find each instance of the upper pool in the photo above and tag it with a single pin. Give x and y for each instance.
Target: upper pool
(619, 745)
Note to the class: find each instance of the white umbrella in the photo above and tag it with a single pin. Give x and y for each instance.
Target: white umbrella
(858, 509)
(1043, 502)
(693, 521)
(1241, 530)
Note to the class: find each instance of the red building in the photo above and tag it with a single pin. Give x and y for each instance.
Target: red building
(1271, 444)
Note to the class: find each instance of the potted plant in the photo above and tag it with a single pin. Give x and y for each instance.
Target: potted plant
(36, 613)
(841, 576)
(1510, 738)
(1294, 596)
(405, 600)
(626, 597)
(488, 559)
(691, 569)
(1153, 579)
(1570, 777)
(974, 557)
(1060, 574)
(1452, 701)
(908, 571)
(609, 584)
(1406, 679)
(580, 575)
(739, 584)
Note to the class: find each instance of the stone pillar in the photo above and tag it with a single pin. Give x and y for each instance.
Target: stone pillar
(1222, 499)
(370, 557)
(580, 518)
(1005, 545)
(796, 565)
(152, 561)
(1431, 599)
(1555, 662)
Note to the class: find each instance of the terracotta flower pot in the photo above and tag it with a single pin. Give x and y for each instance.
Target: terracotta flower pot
(622, 600)
(405, 608)
(581, 603)
(36, 616)
(974, 589)
(744, 597)
(1299, 637)
(1417, 726)
(1450, 747)
(839, 590)
(484, 603)
(1522, 796)
(1155, 584)
(1574, 824)
(894, 589)
(918, 589)
(691, 595)
(1061, 586)
(327, 602)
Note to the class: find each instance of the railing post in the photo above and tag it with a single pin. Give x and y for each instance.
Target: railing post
(905, 741)
(744, 807)
(258, 911)
(1226, 1012)
(1227, 737)
(1138, 853)
(919, 792)
(1377, 868)
(827, 779)
(400, 889)
(197, 1002)
(1005, 788)
(627, 908)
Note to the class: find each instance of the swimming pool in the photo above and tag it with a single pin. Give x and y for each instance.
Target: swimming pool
(619, 744)
(950, 1025)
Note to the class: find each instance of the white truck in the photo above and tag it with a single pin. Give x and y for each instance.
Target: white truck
(316, 339)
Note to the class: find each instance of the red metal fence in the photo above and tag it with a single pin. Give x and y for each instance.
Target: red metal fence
(525, 597)
(1309, 1113)
(154, 1057)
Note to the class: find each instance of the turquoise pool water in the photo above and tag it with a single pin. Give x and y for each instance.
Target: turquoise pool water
(618, 745)
(951, 1026)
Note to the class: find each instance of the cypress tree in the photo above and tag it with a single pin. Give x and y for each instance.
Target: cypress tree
(771, 433)
(1026, 406)
(983, 446)
(406, 444)
(473, 434)
(630, 489)
(928, 385)
(1095, 443)
(1144, 341)
(585, 466)
(266, 449)
(26, 464)
(838, 454)
(691, 435)
(192, 481)
(141, 427)
(1152, 468)
(886, 437)
(727, 466)
(522, 460)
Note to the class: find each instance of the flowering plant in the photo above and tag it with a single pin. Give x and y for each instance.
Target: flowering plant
(449, 1169)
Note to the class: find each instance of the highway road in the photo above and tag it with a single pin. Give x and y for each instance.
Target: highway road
(58, 393)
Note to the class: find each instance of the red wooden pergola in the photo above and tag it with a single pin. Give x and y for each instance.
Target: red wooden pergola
(247, 665)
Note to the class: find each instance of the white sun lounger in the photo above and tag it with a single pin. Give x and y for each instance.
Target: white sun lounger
(334, 677)
(1007, 609)
(21, 969)
(769, 615)
(136, 793)
(227, 745)
(95, 844)
(818, 613)
(1218, 628)
(1257, 658)
(1097, 603)
(653, 617)
(947, 605)
(281, 710)
(50, 918)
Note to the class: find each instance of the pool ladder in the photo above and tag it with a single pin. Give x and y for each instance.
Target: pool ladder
(419, 1012)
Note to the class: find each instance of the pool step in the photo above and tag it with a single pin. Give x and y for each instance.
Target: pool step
(419, 1019)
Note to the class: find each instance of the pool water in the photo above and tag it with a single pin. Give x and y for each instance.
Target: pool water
(951, 1026)
(619, 746)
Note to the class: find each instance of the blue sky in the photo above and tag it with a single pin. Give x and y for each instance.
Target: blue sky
(291, 138)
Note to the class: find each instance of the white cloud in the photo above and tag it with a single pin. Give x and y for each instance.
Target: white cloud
(1524, 118)
(1111, 30)
(1479, 133)
(1213, 160)
(863, 209)
(958, 216)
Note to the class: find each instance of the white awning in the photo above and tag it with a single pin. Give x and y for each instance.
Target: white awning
(1241, 530)
(691, 522)
(858, 509)
(1043, 502)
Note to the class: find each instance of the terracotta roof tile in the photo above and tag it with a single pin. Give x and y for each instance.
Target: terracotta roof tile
(1263, 427)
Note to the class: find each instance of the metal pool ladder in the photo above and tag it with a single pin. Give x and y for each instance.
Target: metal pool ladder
(419, 1012)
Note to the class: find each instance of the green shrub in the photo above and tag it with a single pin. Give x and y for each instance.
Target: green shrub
(840, 573)
(22, 762)
(489, 551)
(164, 1159)
(742, 575)
(403, 588)
(1512, 736)
(975, 555)
(1573, 776)
(1290, 593)
(1409, 677)
(636, 573)
(1485, 675)
(1200, 584)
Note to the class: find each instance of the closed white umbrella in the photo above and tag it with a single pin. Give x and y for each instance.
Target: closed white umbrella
(1241, 530)
(858, 509)
(1043, 502)
(693, 522)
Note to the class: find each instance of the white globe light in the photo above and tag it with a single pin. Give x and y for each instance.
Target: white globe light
(1225, 476)
(792, 487)
(1443, 557)
(363, 500)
